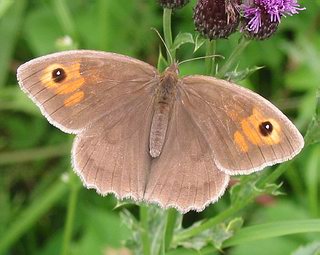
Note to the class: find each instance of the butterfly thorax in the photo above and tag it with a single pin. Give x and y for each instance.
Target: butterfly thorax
(163, 104)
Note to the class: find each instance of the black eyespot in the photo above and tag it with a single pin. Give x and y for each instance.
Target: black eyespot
(266, 128)
(58, 75)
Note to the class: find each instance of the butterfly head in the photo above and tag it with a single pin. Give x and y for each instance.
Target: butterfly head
(173, 69)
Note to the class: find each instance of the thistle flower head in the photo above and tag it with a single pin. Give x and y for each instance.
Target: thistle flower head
(262, 17)
(216, 18)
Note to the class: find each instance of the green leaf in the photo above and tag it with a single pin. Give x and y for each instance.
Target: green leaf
(212, 236)
(223, 232)
(162, 62)
(242, 74)
(4, 6)
(12, 98)
(39, 38)
(10, 24)
(313, 132)
(309, 249)
(32, 213)
(274, 229)
(240, 192)
(312, 179)
(198, 42)
(182, 38)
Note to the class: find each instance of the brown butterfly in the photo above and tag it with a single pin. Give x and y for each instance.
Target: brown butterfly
(156, 137)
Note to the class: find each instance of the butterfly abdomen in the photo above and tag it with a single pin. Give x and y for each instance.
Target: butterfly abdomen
(164, 99)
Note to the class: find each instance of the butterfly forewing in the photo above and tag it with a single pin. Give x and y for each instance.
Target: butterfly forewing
(244, 130)
(76, 88)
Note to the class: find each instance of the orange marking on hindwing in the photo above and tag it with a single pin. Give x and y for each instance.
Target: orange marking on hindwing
(74, 99)
(240, 141)
(73, 81)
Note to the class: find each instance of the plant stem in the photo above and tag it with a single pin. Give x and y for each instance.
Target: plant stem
(68, 229)
(211, 50)
(144, 219)
(103, 14)
(34, 154)
(172, 215)
(65, 18)
(243, 43)
(168, 34)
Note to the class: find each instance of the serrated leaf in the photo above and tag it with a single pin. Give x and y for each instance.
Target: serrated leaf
(242, 74)
(198, 242)
(270, 188)
(199, 42)
(309, 249)
(235, 224)
(182, 38)
(214, 236)
(123, 203)
(247, 188)
(220, 236)
(240, 192)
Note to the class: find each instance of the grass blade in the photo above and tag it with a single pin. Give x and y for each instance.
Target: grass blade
(9, 27)
(274, 229)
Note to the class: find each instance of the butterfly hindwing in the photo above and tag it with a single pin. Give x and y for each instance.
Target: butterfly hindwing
(185, 176)
(112, 155)
(244, 131)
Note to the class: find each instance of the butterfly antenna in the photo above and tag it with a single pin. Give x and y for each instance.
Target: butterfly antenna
(164, 43)
(204, 57)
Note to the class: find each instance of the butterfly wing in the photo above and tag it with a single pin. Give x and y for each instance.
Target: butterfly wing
(75, 88)
(112, 156)
(245, 131)
(184, 176)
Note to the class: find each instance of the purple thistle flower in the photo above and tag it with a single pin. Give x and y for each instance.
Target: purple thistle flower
(261, 17)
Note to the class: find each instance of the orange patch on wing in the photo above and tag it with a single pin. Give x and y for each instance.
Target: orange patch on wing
(73, 81)
(70, 86)
(46, 76)
(240, 141)
(250, 128)
(74, 99)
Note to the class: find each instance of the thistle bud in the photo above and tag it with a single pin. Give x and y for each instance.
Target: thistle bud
(216, 18)
(173, 4)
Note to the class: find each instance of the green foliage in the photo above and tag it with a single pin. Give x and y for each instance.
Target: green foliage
(44, 208)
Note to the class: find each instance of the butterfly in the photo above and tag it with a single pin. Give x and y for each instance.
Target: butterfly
(156, 137)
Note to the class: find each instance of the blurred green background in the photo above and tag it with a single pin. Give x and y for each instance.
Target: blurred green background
(43, 207)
